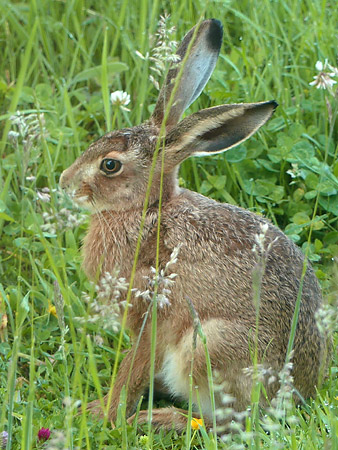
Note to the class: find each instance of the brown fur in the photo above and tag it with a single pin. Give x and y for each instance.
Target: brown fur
(215, 262)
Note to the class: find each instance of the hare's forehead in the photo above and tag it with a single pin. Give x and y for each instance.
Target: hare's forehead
(129, 143)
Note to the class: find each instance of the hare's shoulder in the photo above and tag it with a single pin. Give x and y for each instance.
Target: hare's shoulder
(224, 236)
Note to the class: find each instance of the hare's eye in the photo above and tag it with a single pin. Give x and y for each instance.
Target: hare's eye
(110, 166)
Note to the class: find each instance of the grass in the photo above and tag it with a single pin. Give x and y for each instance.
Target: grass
(62, 60)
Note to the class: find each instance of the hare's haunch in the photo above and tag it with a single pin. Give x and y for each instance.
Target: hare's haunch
(216, 265)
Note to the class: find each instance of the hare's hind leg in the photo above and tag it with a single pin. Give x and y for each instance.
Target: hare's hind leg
(229, 352)
(169, 419)
(228, 348)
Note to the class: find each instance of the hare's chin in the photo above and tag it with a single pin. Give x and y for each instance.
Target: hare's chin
(83, 201)
(86, 202)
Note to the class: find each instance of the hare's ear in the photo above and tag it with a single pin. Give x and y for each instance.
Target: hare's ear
(215, 130)
(198, 52)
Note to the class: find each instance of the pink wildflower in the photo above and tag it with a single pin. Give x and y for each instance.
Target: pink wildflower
(43, 434)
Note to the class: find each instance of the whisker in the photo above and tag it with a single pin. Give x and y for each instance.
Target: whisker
(116, 240)
(102, 228)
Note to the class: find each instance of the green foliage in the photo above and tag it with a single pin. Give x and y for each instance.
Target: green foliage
(59, 62)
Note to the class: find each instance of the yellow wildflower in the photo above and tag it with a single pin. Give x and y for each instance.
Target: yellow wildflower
(51, 309)
(196, 423)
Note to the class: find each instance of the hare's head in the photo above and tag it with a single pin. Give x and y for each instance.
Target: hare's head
(113, 173)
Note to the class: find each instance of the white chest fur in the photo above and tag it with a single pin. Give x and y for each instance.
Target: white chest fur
(175, 375)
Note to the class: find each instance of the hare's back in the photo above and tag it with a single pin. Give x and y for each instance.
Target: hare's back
(221, 249)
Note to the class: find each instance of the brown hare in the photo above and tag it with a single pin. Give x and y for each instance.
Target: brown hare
(215, 262)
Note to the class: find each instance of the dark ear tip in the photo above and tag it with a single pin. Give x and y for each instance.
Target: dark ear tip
(274, 104)
(215, 35)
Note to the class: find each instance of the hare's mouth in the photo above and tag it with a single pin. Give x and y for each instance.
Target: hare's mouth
(84, 201)
(83, 196)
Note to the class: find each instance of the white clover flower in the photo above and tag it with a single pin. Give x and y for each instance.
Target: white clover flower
(324, 78)
(120, 99)
(323, 81)
(294, 172)
(334, 70)
(319, 66)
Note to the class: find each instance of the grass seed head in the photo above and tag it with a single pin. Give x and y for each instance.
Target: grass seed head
(106, 304)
